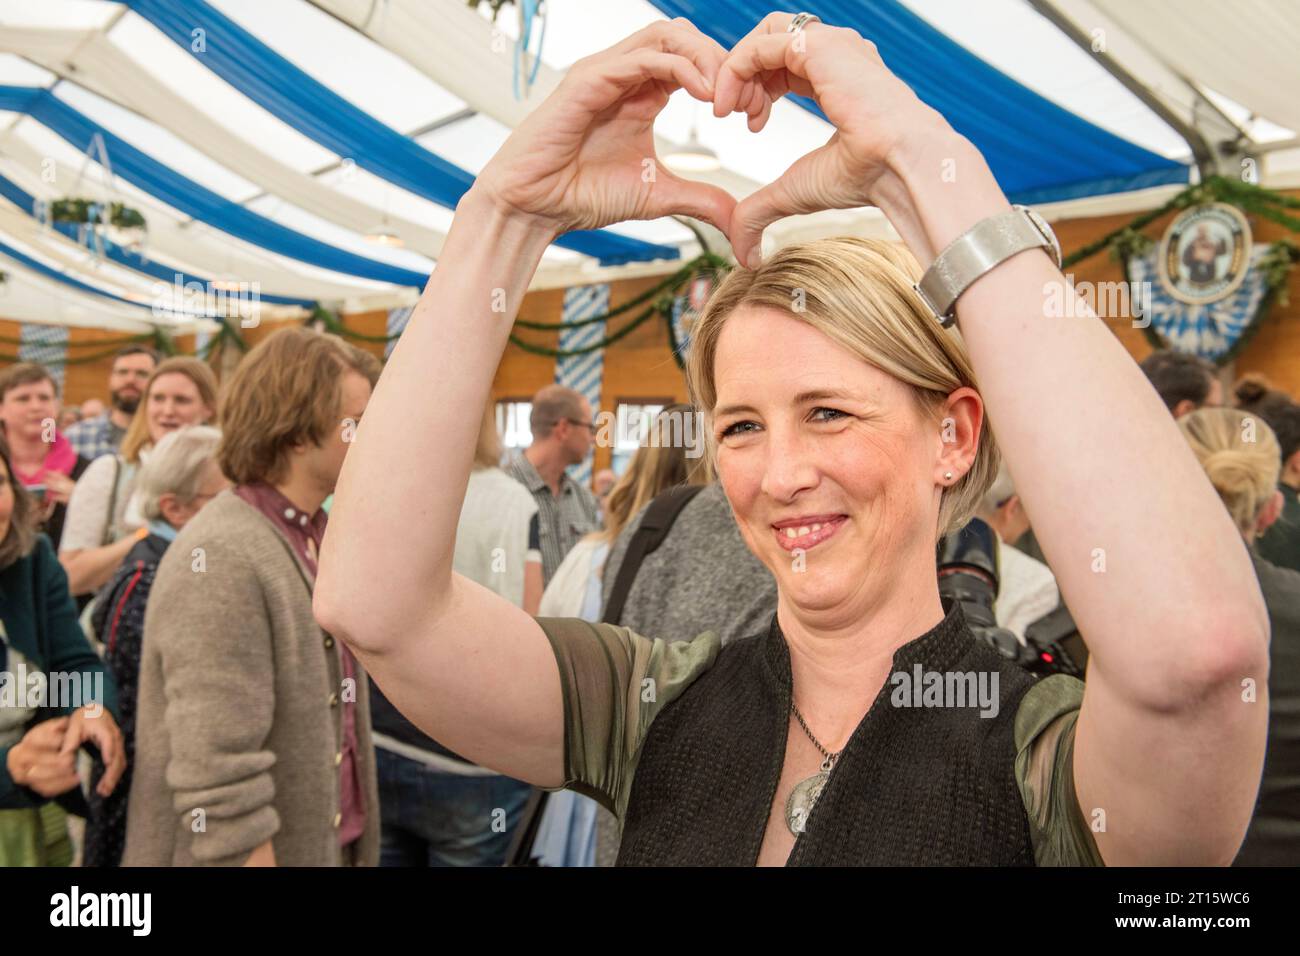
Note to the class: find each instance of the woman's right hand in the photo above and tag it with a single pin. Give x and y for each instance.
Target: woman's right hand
(880, 126)
(586, 158)
(58, 488)
(38, 762)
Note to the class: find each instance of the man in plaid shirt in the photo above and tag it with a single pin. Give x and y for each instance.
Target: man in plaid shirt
(101, 435)
(563, 433)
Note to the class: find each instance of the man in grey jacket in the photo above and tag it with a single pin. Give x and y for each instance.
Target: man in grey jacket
(253, 741)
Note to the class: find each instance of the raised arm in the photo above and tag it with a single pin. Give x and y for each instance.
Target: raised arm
(1155, 573)
(463, 664)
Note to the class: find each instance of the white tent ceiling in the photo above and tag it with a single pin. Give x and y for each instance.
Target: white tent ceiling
(440, 72)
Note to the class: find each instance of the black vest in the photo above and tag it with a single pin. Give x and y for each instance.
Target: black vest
(914, 785)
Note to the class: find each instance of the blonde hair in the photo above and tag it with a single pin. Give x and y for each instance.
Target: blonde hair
(1241, 456)
(137, 433)
(859, 294)
(659, 464)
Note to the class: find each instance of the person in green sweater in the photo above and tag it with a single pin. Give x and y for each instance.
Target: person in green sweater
(55, 693)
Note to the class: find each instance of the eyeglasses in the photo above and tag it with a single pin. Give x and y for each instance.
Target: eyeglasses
(590, 426)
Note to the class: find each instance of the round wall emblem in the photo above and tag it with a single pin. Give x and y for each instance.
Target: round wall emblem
(1205, 253)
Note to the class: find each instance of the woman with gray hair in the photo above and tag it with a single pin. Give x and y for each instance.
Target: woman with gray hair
(180, 477)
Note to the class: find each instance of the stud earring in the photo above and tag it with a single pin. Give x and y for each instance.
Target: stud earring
(947, 476)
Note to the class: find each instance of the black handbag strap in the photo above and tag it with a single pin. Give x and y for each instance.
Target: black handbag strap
(655, 525)
(111, 519)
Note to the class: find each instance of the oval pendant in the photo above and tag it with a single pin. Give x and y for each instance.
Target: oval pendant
(799, 805)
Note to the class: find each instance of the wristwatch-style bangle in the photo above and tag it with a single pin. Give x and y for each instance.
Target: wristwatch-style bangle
(976, 251)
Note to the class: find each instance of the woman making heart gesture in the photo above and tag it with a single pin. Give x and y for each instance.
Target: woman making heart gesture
(848, 434)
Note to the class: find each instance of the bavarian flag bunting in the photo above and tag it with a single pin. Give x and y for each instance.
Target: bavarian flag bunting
(1212, 330)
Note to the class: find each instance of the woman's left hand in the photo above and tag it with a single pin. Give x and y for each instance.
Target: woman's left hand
(586, 158)
(101, 729)
(876, 115)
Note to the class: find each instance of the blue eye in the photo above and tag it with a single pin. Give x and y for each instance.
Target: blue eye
(738, 428)
(832, 411)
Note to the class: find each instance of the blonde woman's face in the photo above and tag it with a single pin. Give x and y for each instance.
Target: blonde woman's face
(174, 402)
(830, 465)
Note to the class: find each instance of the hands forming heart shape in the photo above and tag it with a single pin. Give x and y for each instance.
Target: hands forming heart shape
(585, 158)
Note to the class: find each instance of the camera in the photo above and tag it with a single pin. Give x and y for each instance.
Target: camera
(968, 574)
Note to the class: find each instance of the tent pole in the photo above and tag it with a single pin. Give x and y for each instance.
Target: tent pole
(1202, 153)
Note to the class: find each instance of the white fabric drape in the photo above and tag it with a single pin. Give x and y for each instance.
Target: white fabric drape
(28, 297)
(105, 69)
(1245, 49)
(57, 249)
(450, 43)
(194, 246)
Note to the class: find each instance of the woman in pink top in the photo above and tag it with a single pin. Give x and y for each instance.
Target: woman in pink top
(44, 460)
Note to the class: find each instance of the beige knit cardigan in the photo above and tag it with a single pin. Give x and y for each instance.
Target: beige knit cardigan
(239, 725)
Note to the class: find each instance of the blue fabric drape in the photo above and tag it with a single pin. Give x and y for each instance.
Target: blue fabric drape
(132, 260)
(193, 199)
(316, 111)
(1038, 151)
(39, 267)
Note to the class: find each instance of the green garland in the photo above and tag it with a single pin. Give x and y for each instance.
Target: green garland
(495, 6)
(707, 263)
(128, 340)
(79, 360)
(1275, 265)
(163, 343)
(606, 341)
(1246, 196)
(79, 211)
(160, 339)
(229, 333)
(1124, 242)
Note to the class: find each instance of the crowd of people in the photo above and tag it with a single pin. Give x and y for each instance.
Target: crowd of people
(230, 705)
(485, 662)
(221, 693)
(852, 433)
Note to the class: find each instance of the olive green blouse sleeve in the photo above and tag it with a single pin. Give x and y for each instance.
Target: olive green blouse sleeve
(1045, 725)
(614, 682)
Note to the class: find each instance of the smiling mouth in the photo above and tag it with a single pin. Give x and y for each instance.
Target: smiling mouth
(805, 536)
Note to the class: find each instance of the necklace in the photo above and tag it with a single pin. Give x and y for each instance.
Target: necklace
(799, 805)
